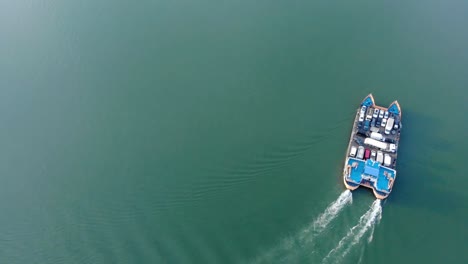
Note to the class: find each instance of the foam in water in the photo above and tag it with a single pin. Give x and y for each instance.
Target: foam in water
(371, 236)
(289, 247)
(354, 235)
(330, 213)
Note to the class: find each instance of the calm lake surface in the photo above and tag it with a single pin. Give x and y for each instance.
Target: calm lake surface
(215, 131)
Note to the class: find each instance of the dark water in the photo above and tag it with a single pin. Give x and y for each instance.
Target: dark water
(215, 131)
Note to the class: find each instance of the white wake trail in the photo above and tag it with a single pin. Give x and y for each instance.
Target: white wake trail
(304, 241)
(371, 236)
(354, 235)
(330, 213)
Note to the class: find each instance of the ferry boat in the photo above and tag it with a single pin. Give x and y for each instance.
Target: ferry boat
(372, 150)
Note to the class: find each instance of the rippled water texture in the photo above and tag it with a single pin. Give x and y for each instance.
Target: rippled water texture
(215, 131)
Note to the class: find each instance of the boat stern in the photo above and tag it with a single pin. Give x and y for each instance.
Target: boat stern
(349, 185)
(380, 195)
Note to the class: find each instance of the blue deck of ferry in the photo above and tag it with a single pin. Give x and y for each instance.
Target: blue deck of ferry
(372, 169)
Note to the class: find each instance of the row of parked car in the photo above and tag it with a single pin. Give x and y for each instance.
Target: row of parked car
(375, 117)
(365, 153)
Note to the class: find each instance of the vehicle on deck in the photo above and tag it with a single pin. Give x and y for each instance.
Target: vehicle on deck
(372, 151)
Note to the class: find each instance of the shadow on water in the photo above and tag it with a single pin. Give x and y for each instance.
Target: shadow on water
(422, 166)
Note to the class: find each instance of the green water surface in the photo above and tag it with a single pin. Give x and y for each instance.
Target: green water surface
(214, 131)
